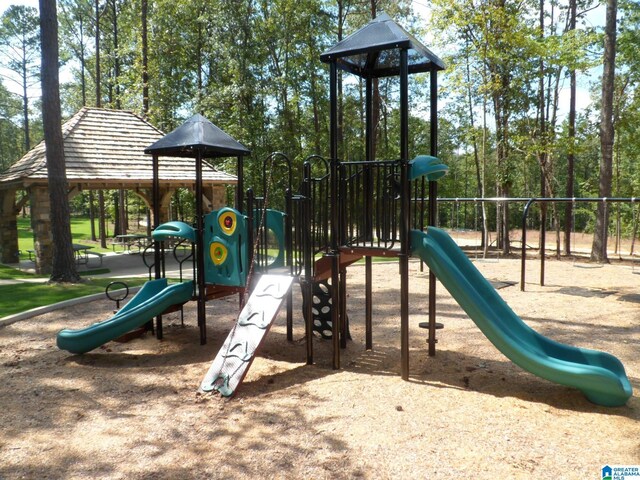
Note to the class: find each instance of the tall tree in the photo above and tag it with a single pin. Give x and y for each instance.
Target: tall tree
(98, 78)
(501, 36)
(19, 45)
(571, 134)
(10, 134)
(64, 266)
(144, 11)
(76, 17)
(599, 247)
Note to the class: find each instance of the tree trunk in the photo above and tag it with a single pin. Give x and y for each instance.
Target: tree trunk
(116, 56)
(64, 266)
(25, 111)
(476, 155)
(145, 60)
(568, 213)
(375, 102)
(101, 220)
(599, 247)
(83, 64)
(542, 152)
(98, 92)
(92, 215)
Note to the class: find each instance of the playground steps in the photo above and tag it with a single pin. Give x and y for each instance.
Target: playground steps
(238, 351)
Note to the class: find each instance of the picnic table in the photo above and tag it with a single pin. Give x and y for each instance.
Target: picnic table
(81, 253)
(137, 241)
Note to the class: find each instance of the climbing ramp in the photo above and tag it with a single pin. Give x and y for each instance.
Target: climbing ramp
(238, 351)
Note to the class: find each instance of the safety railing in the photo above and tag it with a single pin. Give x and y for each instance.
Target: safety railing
(370, 204)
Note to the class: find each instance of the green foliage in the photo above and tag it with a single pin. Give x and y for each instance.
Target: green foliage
(19, 59)
(11, 144)
(252, 67)
(20, 297)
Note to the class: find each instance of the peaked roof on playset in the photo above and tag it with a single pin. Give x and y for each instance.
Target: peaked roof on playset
(105, 149)
(198, 134)
(374, 51)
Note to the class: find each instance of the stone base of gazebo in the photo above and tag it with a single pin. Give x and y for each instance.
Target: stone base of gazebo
(9, 231)
(214, 198)
(104, 150)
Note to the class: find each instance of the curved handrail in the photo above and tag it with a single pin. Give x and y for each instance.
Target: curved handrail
(191, 255)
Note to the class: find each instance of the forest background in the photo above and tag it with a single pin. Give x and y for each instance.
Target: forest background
(252, 67)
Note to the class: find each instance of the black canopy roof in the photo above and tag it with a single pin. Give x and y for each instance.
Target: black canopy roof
(197, 135)
(374, 51)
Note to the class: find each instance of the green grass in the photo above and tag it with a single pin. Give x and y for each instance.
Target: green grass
(8, 273)
(80, 233)
(20, 297)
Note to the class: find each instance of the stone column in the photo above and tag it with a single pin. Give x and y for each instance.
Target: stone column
(8, 227)
(165, 200)
(41, 225)
(218, 196)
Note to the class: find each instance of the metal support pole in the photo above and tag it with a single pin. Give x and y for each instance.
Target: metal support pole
(289, 256)
(202, 321)
(343, 308)
(335, 309)
(307, 252)
(335, 217)
(433, 207)
(369, 139)
(368, 304)
(405, 214)
(155, 195)
(523, 260)
(543, 240)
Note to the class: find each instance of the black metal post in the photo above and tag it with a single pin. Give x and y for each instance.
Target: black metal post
(155, 196)
(288, 241)
(543, 240)
(404, 214)
(433, 206)
(523, 260)
(369, 139)
(307, 251)
(335, 219)
(202, 321)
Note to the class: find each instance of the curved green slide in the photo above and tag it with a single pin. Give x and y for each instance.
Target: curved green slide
(152, 299)
(599, 375)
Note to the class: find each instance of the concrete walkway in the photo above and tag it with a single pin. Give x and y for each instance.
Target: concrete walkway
(120, 265)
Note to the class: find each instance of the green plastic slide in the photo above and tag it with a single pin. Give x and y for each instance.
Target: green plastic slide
(152, 299)
(599, 375)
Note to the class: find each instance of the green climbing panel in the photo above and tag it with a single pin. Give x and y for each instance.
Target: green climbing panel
(225, 248)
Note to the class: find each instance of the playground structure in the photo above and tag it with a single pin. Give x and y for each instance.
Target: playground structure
(342, 212)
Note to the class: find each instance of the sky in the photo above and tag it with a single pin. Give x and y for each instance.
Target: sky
(595, 17)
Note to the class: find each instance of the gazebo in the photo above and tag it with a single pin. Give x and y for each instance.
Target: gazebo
(104, 149)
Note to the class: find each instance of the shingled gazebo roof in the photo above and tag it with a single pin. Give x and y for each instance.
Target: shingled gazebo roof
(105, 149)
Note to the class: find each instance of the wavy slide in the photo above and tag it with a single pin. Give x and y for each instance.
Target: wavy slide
(599, 375)
(152, 299)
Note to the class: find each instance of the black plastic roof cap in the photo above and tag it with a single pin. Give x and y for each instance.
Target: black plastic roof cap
(197, 135)
(374, 51)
